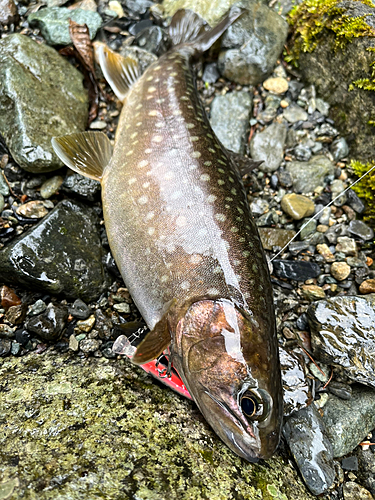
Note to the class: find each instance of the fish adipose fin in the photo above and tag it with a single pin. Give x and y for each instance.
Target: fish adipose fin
(188, 28)
(87, 153)
(120, 72)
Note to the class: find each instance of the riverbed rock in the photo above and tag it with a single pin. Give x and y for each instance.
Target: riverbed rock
(8, 12)
(296, 388)
(210, 10)
(335, 63)
(230, 114)
(307, 438)
(61, 254)
(41, 96)
(88, 426)
(308, 175)
(297, 206)
(342, 334)
(348, 421)
(273, 237)
(50, 324)
(53, 23)
(268, 146)
(252, 44)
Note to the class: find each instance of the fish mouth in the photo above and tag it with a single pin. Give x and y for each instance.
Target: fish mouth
(241, 437)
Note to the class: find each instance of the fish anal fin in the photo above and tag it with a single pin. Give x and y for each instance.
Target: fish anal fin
(87, 153)
(154, 343)
(119, 71)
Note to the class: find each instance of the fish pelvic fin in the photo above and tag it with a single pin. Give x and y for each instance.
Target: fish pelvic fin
(119, 71)
(154, 343)
(190, 29)
(87, 153)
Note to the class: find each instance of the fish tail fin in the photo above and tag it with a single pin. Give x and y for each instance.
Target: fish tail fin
(119, 71)
(189, 29)
(87, 153)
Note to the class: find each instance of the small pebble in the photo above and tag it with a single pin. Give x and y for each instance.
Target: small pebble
(123, 308)
(276, 85)
(322, 228)
(340, 270)
(6, 331)
(297, 206)
(9, 298)
(313, 292)
(36, 308)
(360, 229)
(80, 310)
(98, 125)
(16, 314)
(367, 286)
(86, 325)
(51, 186)
(73, 343)
(5, 347)
(353, 491)
(324, 250)
(2, 202)
(295, 113)
(89, 345)
(346, 245)
(32, 210)
(15, 349)
(343, 391)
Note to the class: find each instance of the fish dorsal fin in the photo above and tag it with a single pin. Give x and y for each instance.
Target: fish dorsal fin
(154, 343)
(120, 72)
(87, 153)
(186, 26)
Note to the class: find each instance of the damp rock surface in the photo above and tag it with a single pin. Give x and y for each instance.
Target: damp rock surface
(62, 254)
(342, 334)
(102, 425)
(41, 96)
(307, 176)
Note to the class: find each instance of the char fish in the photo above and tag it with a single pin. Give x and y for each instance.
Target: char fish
(184, 239)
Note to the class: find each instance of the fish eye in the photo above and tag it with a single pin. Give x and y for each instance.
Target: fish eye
(250, 404)
(256, 405)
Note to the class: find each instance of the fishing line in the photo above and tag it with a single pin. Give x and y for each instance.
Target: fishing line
(320, 211)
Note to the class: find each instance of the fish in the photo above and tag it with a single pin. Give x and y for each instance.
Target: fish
(184, 239)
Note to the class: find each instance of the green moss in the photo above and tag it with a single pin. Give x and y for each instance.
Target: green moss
(312, 17)
(366, 187)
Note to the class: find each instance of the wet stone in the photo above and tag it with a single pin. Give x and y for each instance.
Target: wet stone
(302, 153)
(42, 97)
(295, 113)
(272, 237)
(339, 149)
(230, 115)
(16, 314)
(307, 176)
(15, 349)
(5, 347)
(80, 310)
(297, 270)
(297, 393)
(349, 421)
(308, 229)
(4, 188)
(8, 12)
(342, 334)
(61, 254)
(308, 441)
(340, 270)
(335, 232)
(252, 45)
(367, 286)
(53, 23)
(122, 308)
(86, 325)
(360, 229)
(313, 292)
(367, 467)
(6, 332)
(354, 491)
(211, 73)
(355, 202)
(346, 245)
(32, 210)
(143, 57)
(107, 350)
(73, 343)
(337, 187)
(339, 389)
(9, 297)
(82, 186)
(285, 178)
(350, 463)
(271, 103)
(259, 206)
(268, 145)
(2, 202)
(50, 324)
(153, 39)
(36, 308)
(297, 206)
(324, 250)
(89, 345)
(51, 186)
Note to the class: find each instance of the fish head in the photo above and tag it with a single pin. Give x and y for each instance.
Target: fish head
(231, 370)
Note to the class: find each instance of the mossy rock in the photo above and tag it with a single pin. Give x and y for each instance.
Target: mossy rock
(333, 45)
(74, 428)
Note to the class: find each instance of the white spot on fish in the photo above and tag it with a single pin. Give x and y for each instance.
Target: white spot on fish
(134, 134)
(159, 124)
(149, 79)
(211, 198)
(143, 163)
(236, 262)
(173, 74)
(185, 285)
(246, 253)
(240, 210)
(233, 191)
(234, 229)
(184, 98)
(146, 185)
(220, 217)
(150, 216)
(196, 154)
(194, 138)
(139, 106)
(196, 259)
(231, 179)
(129, 153)
(221, 182)
(205, 177)
(242, 240)
(132, 181)
(181, 221)
(190, 125)
(153, 112)
(213, 291)
(177, 112)
(217, 270)
(143, 200)
(164, 278)
(151, 89)
(211, 150)
(151, 231)
(169, 175)
(207, 163)
(221, 170)
(148, 151)
(157, 138)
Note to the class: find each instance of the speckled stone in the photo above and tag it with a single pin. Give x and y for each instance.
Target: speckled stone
(346, 245)
(268, 146)
(324, 250)
(51, 186)
(295, 113)
(34, 209)
(354, 491)
(367, 286)
(308, 175)
(340, 270)
(313, 292)
(276, 85)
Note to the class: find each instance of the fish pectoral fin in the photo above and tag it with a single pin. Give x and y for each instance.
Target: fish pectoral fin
(155, 342)
(87, 153)
(245, 165)
(119, 71)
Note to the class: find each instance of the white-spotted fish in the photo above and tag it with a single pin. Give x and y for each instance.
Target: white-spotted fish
(184, 239)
